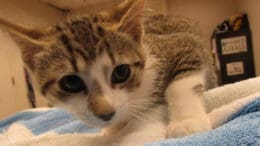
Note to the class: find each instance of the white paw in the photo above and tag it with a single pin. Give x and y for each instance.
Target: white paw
(185, 127)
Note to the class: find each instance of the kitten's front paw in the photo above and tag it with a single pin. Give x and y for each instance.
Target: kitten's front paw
(188, 126)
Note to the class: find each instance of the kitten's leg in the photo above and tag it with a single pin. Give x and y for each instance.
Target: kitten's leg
(186, 110)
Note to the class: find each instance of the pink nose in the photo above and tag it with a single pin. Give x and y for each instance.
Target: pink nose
(106, 117)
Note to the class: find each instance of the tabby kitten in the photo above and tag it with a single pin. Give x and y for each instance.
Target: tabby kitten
(109, 68)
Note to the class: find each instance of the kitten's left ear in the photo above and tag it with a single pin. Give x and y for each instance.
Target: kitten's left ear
(29, 41)
(127, 18)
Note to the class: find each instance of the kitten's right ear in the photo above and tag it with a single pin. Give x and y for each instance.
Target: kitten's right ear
(127, 18)
(29, 41)
(115, 15)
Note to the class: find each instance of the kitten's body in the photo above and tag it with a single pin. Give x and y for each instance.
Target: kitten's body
(184, 71)
(169, 69)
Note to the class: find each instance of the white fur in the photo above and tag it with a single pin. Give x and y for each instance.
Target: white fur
(138, 133)
(186, 111)
(181, 96)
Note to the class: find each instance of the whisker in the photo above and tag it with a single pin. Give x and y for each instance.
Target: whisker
(144, 117)
(150, 110)
(144, 107)
(137, 115)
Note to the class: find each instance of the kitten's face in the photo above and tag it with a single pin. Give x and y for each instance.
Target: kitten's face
(93, 71)
(92, 66)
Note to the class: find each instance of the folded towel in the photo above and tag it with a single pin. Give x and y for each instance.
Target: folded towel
(225, 94)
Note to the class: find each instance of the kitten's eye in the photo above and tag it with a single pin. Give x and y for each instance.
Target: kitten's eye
(72, 84)
(120, 74)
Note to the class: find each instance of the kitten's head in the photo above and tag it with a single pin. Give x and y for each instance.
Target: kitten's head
(92, 66)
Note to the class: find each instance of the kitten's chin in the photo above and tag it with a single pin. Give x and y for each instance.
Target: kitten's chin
(101, 125)
(93, 122)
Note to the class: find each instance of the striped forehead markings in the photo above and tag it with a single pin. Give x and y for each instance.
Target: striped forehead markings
(65, 40)
(110, 52)
(84, 35)
(89, 50)
(83, 55)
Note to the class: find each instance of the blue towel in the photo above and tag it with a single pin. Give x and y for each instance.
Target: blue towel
(40, 122)
(241, 128)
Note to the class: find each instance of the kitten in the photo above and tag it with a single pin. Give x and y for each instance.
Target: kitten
(109, 69)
